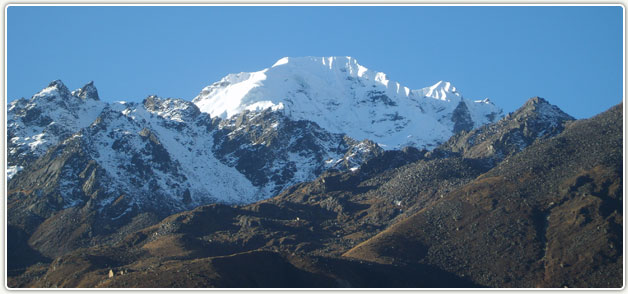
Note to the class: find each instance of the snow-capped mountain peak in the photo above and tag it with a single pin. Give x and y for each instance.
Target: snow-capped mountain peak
(342, 96)
(55, 88)
(443, 91)
(88, 91)
(485, 101)
(51, 115)
(345, 64)
(165, 154)
(292, 120)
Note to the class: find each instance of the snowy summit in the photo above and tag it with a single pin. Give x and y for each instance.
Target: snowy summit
(342, 96)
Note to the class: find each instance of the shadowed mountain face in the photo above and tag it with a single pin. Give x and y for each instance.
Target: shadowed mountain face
(543, 209)
(549, 216)
(251, 269)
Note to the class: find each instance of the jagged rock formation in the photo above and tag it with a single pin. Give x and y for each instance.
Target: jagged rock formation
(45, 119)
(537, 119)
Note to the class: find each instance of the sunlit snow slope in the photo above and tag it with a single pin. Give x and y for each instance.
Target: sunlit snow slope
(342, 96)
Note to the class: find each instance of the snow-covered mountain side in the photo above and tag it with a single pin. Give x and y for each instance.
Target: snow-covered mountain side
(343, 96)
(164, 154)
(54, 113)
(243, 139)
(275, 152)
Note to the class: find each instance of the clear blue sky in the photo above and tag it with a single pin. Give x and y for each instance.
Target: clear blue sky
(570, 55)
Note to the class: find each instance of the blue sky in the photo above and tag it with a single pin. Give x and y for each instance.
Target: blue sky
(570, 55)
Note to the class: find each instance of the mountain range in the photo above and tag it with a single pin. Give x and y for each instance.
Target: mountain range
(340, 176)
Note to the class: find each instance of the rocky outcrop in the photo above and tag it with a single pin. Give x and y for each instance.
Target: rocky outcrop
(537, 119)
